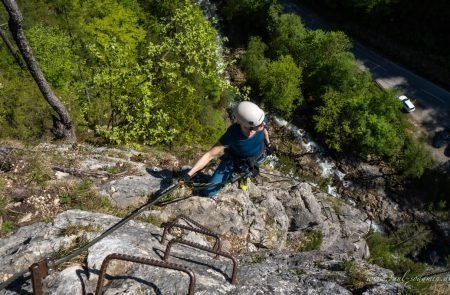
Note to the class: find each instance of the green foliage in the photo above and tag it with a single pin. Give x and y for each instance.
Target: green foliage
(320, 48)
(398, 35)
(368, 122)
(83, 196)
(357, 276)
(113, 22)
(7, 226)
(334, 119)
(23, 112)
(280, 86)
(53, 51)
(286, 34)
(286, 164)
(350, 114)
(134, 71)
(168, 98)
(247, 18)
(152, 219)
(4, 201)
(257, 259)
(391, 251)
(413, 159)
(65, 199)
(312, 240)
(433, 188)
(118, 168)
(409, 238)
(277, 82)
(37, 172)
(254, 61)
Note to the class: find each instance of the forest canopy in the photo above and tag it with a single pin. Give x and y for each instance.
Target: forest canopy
(349, 113)
(133, 71)
(150, 72)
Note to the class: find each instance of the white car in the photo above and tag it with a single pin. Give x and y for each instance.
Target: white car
(408, 106)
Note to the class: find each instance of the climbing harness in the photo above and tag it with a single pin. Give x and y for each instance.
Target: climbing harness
(245, 168)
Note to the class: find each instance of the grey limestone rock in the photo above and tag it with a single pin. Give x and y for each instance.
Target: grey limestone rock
(270, 272)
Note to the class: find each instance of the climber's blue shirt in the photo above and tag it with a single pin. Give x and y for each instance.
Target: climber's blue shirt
(240, 145)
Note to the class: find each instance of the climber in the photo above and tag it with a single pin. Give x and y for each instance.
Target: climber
(244, 142)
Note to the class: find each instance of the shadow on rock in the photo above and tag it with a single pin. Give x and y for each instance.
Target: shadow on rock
(447, 151)
(165, 175)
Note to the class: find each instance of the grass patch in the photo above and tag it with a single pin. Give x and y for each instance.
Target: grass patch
(64, 251)
(309, 240)
(152, 219)
(119, 167)
(258, 259)
(286, 164)
(7, 226)
(76, 229)
(83, 196)
(335, 203)
(37, 172)
(440, 208)
(115, 154)
(313, 240)
(297, 272)
(4, 201)
(357, 276)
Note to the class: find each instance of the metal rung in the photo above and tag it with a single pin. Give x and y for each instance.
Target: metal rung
(39, 271)
(147, 261)
(207, 249)
(192, 226)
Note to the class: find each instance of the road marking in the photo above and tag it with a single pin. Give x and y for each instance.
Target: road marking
(432, 95)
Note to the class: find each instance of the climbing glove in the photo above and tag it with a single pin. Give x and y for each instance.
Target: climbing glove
(184, 177)
(269, 149)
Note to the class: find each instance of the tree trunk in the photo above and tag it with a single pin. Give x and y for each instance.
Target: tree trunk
(5, 159)
(11, 48)
(63, 126)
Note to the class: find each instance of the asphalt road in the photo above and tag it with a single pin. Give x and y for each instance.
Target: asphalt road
(432, 102)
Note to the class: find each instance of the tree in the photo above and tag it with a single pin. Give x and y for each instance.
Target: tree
(280, 86)
(247, 18)
(168, 94)
(351, 120)
(63, 126)
(333, 120)
(413, 159)
(254, 61)
(53, 50)
(286, 33)
(10, 47)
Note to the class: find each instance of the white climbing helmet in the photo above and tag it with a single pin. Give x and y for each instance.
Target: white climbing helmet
(249, 114)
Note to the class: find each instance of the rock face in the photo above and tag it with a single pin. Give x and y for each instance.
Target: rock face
(268, 272)
(269, 215)
(270, 228)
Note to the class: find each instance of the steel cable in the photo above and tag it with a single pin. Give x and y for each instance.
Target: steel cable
(157, 196)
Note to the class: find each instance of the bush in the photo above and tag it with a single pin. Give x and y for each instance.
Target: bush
(391, 251)
(280, 86)
(312, 240)
(247, 18)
